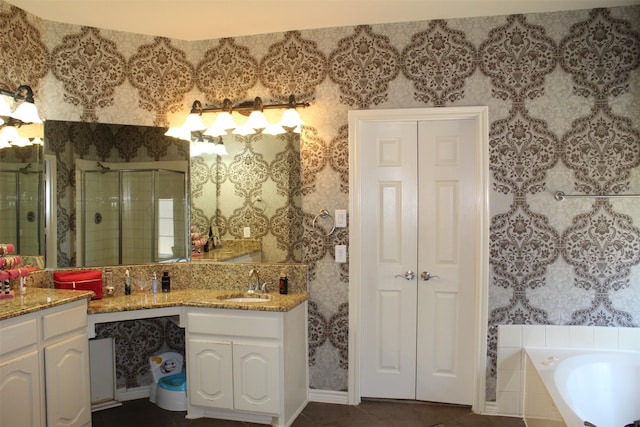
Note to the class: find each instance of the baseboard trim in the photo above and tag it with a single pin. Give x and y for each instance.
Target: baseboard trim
(329, 396)
(490, 408)
(124, 394)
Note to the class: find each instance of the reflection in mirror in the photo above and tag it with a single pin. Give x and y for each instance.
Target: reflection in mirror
(119, 189)
(252, 194)
(21, 209)
(142, 204)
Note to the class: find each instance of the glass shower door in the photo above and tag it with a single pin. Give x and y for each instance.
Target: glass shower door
(100, 213)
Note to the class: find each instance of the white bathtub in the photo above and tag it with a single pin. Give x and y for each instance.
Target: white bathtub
(568, 387)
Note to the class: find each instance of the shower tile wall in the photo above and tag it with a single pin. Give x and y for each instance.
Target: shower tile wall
(562, 90)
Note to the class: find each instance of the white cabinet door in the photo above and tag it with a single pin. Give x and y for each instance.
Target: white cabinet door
(256, 378)
(67, 384)
(210, 373)
(20, 392)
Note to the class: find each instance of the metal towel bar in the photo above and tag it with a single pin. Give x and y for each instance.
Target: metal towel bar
(560, 196)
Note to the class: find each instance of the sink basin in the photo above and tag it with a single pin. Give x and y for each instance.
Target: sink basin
(243, 298)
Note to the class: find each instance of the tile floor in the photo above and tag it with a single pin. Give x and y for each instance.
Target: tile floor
(370, 413)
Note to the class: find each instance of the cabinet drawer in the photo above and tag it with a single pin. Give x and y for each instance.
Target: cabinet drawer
(61, 322)
(252, 324)
(19, 335)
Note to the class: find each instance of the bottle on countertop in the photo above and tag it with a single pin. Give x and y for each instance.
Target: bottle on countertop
(127, 283)
(209, 245)
(166, 282)
(283, 283)
(154, 283)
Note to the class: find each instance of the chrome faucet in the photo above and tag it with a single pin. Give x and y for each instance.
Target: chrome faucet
(253, 288)
(256, 288)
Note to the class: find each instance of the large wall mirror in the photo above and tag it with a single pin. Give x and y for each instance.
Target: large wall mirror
(119, 194)
(113, 186)
(21, 201)
(253, 193)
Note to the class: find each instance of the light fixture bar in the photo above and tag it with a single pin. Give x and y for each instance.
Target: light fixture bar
(246, 107)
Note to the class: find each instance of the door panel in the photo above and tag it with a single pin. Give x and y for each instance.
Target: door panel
(390, 201)
(210, 369)
(447, 249)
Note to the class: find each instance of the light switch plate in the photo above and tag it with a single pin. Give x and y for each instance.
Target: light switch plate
(247, 232)
(341, 218)
(341, 253)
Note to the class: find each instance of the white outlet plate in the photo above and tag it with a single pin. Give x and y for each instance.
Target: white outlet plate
(247, 232)
(341, 218)
(341, 253)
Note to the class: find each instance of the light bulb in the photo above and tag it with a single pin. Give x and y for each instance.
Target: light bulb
(291, 118)
(194, 123)
(243, 130)
(257, 120)
(21, 142)
(274, 130)
(26, 113)
(224, 121)
(221, 150)
(9, 134)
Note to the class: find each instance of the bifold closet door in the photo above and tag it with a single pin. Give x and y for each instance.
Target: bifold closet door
(419, 203)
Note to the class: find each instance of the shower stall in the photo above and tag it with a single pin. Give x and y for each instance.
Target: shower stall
(131, 216)
(20, 209)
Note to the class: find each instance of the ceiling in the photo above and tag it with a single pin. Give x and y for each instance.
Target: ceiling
(212, 19)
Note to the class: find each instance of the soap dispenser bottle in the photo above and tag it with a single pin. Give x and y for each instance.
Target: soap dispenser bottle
(166, 282)
(154, 283)
(127, 283)
(283, 283)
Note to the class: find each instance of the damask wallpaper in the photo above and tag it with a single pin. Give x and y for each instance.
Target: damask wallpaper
(562, 90)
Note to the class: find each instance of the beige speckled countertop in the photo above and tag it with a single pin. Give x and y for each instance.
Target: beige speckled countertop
(38, 299)
(228, 250)
(195, 298)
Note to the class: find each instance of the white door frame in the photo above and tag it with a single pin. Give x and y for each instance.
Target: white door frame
(356, 118)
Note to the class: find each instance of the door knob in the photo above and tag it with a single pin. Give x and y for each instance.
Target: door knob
(409, 275)
(425, 275)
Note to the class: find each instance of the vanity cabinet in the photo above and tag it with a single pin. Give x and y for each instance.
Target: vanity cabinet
(247, 365)
(44, 368)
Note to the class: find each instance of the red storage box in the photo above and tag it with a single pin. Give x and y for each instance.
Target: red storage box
(83, 280)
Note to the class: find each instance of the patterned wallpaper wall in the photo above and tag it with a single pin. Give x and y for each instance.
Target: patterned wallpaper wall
(562, 90)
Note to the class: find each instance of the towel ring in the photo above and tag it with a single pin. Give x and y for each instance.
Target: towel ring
(260, 205)
(324, 214)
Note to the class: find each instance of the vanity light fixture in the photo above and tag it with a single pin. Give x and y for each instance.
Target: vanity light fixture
(16, 109)
(224, 122)
(23, 109)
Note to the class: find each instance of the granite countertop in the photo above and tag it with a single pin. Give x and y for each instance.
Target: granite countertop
(39, 299)
(207, 298)
(229, 249)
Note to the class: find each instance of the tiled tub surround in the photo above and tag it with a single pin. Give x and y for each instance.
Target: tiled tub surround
(568, 387)
(513, 339)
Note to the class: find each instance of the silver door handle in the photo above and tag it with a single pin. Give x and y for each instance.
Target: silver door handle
(425, 275)
(409, 275)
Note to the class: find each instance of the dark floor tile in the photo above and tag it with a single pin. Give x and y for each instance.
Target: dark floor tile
(370, 413)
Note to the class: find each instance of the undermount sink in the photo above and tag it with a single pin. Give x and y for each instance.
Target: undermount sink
(236, 298)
